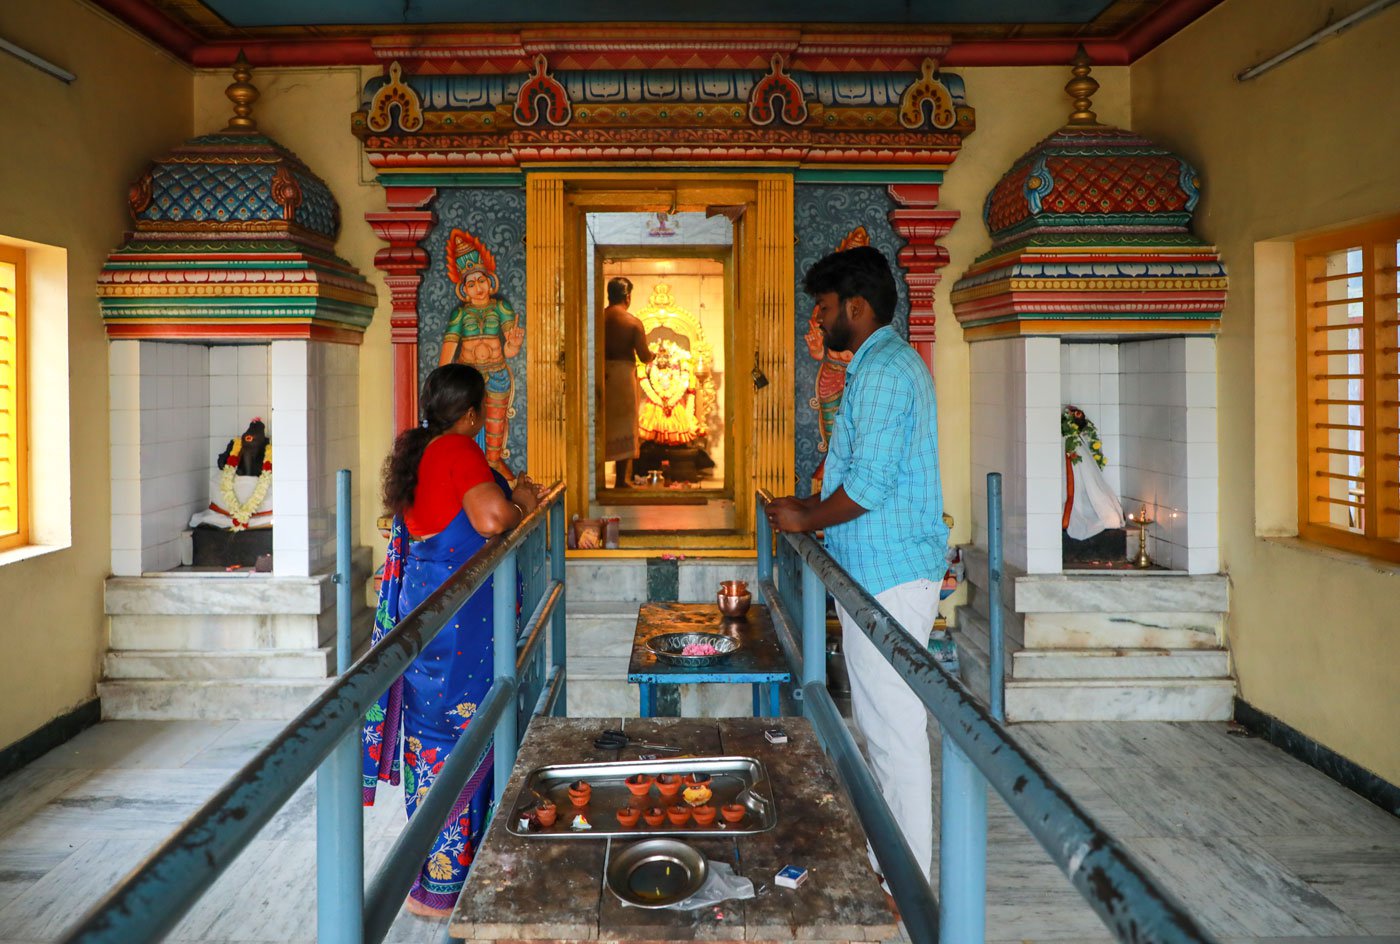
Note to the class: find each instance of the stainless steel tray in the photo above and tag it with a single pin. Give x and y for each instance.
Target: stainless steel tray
(732, 780)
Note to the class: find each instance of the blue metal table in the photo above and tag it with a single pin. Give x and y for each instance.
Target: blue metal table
(759, 661)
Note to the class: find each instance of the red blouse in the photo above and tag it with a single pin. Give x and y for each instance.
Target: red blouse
(451, 466)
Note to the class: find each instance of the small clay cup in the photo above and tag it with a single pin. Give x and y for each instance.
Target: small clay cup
(697, 779)
(628, 816)
(654, 815)
(639, 784)
(579, 792)
(732, 812)
(547, 813)
(668, 785)
(678, 815)
(704, 815)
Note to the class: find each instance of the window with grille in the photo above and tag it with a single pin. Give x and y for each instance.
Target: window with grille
(14, 511)
(1349, 389)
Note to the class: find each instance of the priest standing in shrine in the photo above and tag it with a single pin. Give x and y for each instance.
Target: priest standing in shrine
(881, 506)
(624, 344)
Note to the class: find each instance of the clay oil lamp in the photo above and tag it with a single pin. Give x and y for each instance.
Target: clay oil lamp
(547, 812)
(704, 815)
(654, 815)
(639, 784)
(668, 785)
(678, 815)
(732, 812)
(628, 816)
(579, 792)
(697, 779)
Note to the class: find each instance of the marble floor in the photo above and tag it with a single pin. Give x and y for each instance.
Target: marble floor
(1258, 846)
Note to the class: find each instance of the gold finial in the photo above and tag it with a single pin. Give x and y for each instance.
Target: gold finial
(242, 93)
(1081, 88)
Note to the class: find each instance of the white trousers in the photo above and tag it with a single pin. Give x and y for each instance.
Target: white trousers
(891, 718)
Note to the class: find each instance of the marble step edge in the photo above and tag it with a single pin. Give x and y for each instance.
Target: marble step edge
(1091, 664)
(232, 596)
(1133, 700)
(973, 622)
(187, 665)
(223, 700)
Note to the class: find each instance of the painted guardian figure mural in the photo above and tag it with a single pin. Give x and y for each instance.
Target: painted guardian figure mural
(484, 332)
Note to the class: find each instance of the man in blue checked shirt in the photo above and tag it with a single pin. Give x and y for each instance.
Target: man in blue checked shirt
(881, 506)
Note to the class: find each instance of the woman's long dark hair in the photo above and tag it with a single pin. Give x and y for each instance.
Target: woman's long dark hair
(448, 393)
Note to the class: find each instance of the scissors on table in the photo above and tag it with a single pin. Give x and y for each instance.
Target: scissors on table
(617, 740)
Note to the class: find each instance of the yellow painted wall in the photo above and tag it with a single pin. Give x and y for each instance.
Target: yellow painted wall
(308, 111)
(1309, 145)
(69, 154)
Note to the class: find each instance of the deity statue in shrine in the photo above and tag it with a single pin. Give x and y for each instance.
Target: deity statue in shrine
(670, 387)
(485, 332)
(1090, 505)
(831, 372)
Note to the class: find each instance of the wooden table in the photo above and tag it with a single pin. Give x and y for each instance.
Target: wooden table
(759, 662)
(535, 889)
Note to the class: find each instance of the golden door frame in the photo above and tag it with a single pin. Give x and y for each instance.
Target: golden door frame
(764, 293)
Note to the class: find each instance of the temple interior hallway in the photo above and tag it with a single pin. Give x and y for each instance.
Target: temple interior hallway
(1258, 846)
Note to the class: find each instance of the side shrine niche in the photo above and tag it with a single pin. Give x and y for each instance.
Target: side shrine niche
(232, 325)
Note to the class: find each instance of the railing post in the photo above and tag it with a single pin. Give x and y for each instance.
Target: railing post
(504, 630)
(962, 850)
(340, 823)
(813, 627)
(763, 537)
(558, 638)
(996, 667)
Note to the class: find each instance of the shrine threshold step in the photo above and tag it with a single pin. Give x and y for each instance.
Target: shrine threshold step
(1114, 684)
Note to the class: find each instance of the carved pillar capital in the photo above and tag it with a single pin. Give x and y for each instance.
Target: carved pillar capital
(921, 224)
(403, 227)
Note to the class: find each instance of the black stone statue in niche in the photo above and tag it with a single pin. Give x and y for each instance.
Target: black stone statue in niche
(236, 530)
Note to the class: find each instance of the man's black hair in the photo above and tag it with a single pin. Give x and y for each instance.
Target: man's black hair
(619, 290)
(862, 272)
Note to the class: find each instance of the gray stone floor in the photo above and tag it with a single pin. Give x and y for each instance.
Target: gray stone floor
(1261, 848)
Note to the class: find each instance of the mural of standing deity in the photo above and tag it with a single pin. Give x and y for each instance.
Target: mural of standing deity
(485, 332)
(831, 373)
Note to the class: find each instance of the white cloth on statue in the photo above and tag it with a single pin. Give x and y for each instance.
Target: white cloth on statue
(243, 487)
(891, 717)
(1095, 507)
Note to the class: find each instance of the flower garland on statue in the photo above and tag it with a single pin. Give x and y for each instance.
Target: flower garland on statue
(237, 510)
(1077, 430)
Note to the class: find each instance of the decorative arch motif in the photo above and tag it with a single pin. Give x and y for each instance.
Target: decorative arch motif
(286, 191)
(541, 85)
(777, 84)
(395, 95)
(927, 90)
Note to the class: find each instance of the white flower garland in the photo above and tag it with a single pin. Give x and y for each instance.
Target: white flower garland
(239, 511)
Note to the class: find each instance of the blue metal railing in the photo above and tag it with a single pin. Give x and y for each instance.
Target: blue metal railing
(151, 900)
(976, 751)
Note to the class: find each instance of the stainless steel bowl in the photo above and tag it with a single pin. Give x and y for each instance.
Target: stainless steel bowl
(667, 647)
(656, 873)
(734, 605)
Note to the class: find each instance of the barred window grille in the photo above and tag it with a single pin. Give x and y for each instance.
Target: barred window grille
(14, 511)
(1349, 389)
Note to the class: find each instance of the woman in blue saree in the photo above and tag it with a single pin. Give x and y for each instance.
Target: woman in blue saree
(446, 501)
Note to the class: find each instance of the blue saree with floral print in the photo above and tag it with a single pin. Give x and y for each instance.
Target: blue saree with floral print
(410, 731)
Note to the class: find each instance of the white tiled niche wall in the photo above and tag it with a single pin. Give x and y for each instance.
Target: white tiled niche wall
(1170, 456)
(174, 408)
(1153, 402)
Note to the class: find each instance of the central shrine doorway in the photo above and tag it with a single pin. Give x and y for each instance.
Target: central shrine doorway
(710, 260)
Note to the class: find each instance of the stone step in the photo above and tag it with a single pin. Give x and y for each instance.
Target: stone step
(1120, 700)
(207, 700)
(1144, 630)
(203, 632)
(600, 627)
(598, 688)
(178, 665)
(617, 580)
(1120, 663)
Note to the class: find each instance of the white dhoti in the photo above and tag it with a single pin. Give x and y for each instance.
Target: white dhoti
(891, 717)
(620, 390)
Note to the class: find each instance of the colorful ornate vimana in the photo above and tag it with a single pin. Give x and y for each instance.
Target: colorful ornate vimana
(234, 240)
(1091, 236)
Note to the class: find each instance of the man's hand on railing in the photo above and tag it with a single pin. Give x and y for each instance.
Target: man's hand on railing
(791, 513)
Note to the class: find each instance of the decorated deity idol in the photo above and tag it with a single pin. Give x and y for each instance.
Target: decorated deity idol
(831, 372)
(669, 386)
(242, 486)
(484, 332)
(1090, 505)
